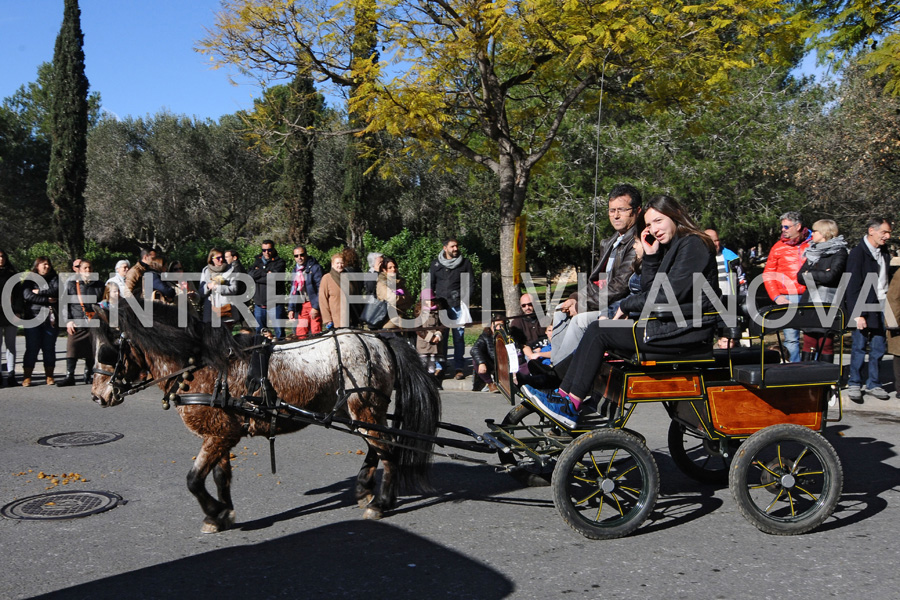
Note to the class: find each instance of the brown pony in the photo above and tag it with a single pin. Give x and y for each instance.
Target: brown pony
(311, 374)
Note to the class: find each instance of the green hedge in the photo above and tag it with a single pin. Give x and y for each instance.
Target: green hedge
(414, 255)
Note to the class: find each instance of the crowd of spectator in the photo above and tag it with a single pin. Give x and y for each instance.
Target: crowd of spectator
(806, 265)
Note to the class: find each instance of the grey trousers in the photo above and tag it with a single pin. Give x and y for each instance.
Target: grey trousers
(568, 331)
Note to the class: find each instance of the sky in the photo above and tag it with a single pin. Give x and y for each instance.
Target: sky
(139, 55)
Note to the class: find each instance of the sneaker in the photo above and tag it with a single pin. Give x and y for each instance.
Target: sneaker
(878, 393)
(552, 405)
(459, 376)
(855, 394)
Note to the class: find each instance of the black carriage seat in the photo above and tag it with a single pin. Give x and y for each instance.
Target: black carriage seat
(740, 355)
(805, 317)
(698, 354)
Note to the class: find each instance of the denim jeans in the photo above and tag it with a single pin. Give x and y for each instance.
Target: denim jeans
(459, 340)
(792, 336)
(40, 338)
(877, 341)
(270, 316)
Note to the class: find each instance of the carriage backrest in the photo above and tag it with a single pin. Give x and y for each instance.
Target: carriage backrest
(808, 317)
(502, 374)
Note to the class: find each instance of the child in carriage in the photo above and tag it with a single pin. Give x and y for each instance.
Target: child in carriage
(674, 249)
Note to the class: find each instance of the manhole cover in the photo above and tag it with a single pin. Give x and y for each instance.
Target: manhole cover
(79, 438)
(60, 505)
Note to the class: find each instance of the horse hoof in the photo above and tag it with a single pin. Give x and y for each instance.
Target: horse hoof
(209, 528)
(224, 521)
(365, 501)
(372, 514)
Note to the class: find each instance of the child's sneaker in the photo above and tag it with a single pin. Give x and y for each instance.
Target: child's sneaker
(553, 405)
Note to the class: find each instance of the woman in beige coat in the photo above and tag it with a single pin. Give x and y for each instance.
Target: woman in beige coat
(334, 309)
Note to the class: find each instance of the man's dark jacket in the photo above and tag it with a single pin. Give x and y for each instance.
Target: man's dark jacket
(525, 329)
(312, 277)
(447, 283)
(259, 272)
(616, 286)
(860, 264)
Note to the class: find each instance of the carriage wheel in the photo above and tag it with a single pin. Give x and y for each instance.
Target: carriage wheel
(527, 475)
(786, 479)
(698, 457)
(605, 484)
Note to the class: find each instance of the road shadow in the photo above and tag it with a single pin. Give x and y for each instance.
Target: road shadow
(681, 499)
(359, 559)
(452, 482)
(867, 476)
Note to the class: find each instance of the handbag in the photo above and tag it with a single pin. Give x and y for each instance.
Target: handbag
(375, 314)
(223, 311)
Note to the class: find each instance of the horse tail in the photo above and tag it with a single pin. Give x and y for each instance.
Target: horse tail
(418, 409)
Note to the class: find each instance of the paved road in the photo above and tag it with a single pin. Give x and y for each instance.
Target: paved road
(299, 533)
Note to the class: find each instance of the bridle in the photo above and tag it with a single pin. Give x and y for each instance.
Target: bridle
(122, 387)
(117, 379)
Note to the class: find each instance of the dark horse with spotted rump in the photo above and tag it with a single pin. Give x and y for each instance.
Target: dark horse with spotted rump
(311, 374)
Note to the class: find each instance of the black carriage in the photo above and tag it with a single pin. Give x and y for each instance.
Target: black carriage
(738, 415)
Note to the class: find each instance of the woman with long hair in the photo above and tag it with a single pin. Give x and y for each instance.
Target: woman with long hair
(391, 287)
(675, 249)
(41, 334)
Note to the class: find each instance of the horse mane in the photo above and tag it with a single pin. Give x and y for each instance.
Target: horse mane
(212, 346)
(102, 332)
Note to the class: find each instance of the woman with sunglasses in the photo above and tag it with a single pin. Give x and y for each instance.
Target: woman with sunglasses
(216, 284)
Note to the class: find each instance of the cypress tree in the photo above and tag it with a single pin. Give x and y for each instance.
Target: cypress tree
(297, 182)
(69, 123)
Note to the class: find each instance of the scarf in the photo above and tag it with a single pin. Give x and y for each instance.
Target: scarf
(450, 263)
(299, 279)
(826, 248)
(804, 235)
(336, 276)
(219, 268)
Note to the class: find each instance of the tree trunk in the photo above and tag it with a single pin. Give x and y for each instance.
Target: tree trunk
(513, 187)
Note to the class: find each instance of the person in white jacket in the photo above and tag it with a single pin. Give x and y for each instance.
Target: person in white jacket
(217, 283)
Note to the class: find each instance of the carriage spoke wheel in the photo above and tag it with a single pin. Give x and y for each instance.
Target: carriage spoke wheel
(786, 479)
(605, 484)
(698, 457)
(529, 475)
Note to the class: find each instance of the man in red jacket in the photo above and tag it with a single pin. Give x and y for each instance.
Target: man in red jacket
(780, 274)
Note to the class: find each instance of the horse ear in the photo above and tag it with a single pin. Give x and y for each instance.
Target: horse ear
(107, 355)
